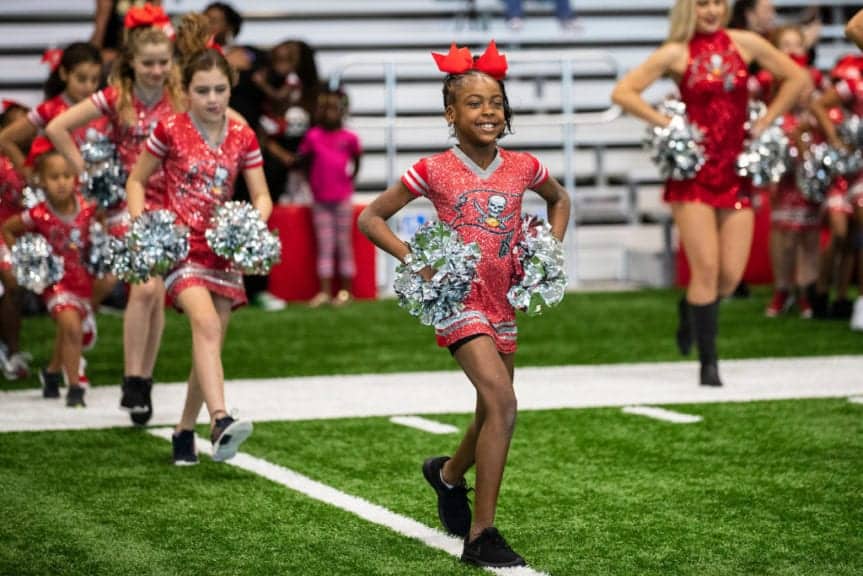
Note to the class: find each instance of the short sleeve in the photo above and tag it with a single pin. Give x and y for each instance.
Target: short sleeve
(252, 152)
(159, 142)
(39, 116)
(416, 178)
(307, 144)
(540, 172)
(356, 146)
(105, 100)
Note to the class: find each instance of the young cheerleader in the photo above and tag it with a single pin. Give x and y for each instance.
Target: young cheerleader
(795, 220)
(712, 210)
(144, 89)
(333, 156)
(465, 183)
(64, 220)
(202, 152)
(13, 363)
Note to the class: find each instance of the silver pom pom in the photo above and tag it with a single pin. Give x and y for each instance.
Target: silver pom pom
(238, 233)
(816, 171)
(851, 131)
(34, 263)
(676, 148)
(100, 256)
(104, 181)
(541, 280)
(154, 244)
(437, 246)
(765, 159)
(31, 196)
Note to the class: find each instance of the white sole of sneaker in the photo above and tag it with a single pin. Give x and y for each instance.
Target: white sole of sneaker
(239, 431)
(185, 463)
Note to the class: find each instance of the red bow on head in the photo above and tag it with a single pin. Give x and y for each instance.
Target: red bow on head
(211, 43)
(150, 16)
(52, 57)
(40, 146)
(7, 104)
(459, 61)
(848, 68)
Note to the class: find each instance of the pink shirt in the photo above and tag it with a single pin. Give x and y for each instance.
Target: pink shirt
(331, 154)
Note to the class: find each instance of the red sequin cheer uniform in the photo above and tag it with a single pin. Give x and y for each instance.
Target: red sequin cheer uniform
(850, 90)
(714, 89)
(129, 140)
(11, 185)
(483, 206)
(69, 237)
(42, 114)
(198, 178)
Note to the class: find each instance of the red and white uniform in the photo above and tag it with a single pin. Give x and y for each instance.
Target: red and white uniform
(42, 114)
(850, 90)
(69, 237)
(11, 185)
(714, 89)
(198, 178)
(130, 140)
(482, 205)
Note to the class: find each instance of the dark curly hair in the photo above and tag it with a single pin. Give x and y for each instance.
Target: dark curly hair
(453, 81)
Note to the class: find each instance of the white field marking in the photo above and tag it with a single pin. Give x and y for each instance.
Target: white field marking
(662, 414)
(360, 507)
(856, 399)
(426, 393)
(424, 424)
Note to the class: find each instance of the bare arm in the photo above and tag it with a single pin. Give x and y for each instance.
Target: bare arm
(258, 191)
(669, 57)
(59, 130)
(12, 228)
(557, 205)
(819, 108)
(372, 221)
(854, 29)
(11, 139)
(100, 22)
(794, 81)
(137, 181)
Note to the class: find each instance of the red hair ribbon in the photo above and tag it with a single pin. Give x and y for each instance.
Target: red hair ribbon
(7, 104)
(149, 16)
(212, 44)
(459, 61)
(52, 57)
(40, 146)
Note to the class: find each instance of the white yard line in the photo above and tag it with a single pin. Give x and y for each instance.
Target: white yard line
(424, 424)
(662, 414)
(424, 393)
(363, 508)
(856, 399)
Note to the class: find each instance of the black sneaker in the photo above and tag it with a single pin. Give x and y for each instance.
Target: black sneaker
(184, 448)
(75, 397)
(453, 507)
(51, 382)
(710, 375)
(489, 549)
(130, 393)
(142, 411)
(227, 435)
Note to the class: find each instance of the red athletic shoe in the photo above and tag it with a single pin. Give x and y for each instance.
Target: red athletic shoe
(88, 326)
(778, 305)
(805, 308)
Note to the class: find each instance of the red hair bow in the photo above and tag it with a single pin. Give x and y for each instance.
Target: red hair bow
(40, 146)
(7, 104)
(149, 16)
(459, 61)
(52, 57)
(212, 44)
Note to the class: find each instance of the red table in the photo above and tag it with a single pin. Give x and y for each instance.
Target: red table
(295, 277)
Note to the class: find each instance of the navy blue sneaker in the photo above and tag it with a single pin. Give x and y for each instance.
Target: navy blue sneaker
(453, 507)
(184, 448)
(75, 397)
(51, 382)
(227, 435)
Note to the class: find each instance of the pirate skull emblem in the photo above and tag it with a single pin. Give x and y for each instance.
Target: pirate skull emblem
(491, 217)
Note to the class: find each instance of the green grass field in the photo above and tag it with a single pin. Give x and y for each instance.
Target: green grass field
(755, 488)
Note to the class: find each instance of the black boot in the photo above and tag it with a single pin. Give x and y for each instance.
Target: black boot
(705, 318)
(819, 301)
(684, 327)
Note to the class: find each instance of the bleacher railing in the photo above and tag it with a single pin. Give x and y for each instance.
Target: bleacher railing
(566, 63)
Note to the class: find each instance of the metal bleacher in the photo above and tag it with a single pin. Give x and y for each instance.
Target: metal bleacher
(617, 190)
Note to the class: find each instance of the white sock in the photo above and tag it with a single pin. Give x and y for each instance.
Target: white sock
(445, 483)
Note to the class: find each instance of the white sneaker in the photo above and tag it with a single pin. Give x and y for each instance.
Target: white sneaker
(857, 316)
(17, 366)
(269, 302)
